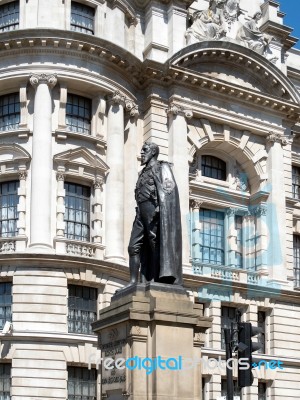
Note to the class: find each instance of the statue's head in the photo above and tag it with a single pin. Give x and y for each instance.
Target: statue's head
(257, 16)
(149, 150)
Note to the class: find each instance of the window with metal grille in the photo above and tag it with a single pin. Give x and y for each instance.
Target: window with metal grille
(78, 114)
(9, 111)
(237, 395)
(296, 248)
(8, 204)
(9, 16)
(213, 167)
(261, 337)
(82, 309)
(77, 212)
(82, 18)
(212, 237)
(228, 315)
(239, 241)
(5, 303)
(296, 182)
(262, 391)
(5, 381)
(82, 383)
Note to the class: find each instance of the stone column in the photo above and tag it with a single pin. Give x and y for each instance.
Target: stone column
(41, 166)
(276, 204)
(131, 168)
(178, 155)
(261, 238)
(22, 203)
(114, 204)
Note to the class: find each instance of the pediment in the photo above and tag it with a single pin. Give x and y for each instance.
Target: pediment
(81, 157)
(13, 153)
(230, 63)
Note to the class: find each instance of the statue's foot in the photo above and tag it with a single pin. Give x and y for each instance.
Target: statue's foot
(127, 286)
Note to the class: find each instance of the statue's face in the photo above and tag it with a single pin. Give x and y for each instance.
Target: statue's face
(146, 154)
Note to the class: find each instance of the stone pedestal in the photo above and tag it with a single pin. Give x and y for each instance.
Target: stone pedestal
(157, 322)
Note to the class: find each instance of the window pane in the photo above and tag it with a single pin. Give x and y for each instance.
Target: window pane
(296, 246)
(296, 182)
(9, 111)
(82, 308)
(82, 18)
(9, 16)
(78, 119)
(8, 203)
(212, 237)
(5, 381)
(77, 212)
(213, 167)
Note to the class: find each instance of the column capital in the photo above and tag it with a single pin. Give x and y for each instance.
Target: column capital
(48, 79)
(231, 211)
(60, 176)
(260, 210)
(129, 105)
(22, 175)
(195, 204)
(177, 109)
(277, 138)
(98, 182)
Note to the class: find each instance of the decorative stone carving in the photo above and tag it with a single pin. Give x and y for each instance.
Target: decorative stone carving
(231, 212)
(259, 211)
(22, 175)
(176, 109)
(251, 36)
(60, 176)
(195, 204)
(48, 79)
(98, 182)
(277, 138)
(222, 22)
(129, 105)
(240, 180)
(207, 24)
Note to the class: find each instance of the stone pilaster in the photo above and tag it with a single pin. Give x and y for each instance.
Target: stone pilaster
(178, 155)
(97, 216)
(195, 238)
(41, 173)
(261, 234)
(230, 242)
(22, 203)
(60, 204)
(276, 218)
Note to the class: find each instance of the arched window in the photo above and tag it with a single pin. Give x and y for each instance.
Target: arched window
(213, 167)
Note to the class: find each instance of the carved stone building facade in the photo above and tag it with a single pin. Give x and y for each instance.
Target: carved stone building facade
(83, 84)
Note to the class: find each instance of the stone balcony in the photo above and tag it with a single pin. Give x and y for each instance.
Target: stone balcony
(78, 248)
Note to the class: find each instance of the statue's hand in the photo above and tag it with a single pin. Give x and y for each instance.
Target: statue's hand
(156, 210)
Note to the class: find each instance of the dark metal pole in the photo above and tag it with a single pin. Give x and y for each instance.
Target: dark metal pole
(229, 372)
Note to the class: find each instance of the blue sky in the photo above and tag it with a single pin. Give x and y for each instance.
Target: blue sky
(292, 10)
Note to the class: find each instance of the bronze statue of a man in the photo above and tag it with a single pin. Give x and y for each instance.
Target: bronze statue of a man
(155, 245)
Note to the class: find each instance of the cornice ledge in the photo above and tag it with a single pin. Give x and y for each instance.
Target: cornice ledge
(126, 7)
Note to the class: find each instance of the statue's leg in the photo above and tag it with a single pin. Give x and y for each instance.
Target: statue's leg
(134, 249)
(153, 236)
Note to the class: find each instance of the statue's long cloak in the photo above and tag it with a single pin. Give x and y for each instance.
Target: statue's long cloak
(169, 222)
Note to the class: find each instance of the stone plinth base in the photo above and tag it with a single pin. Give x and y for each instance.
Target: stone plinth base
(157, 322)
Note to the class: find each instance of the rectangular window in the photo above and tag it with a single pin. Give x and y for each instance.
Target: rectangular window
(296, 182)
(78, 114)
(5, 303)
(228, 315)
(296, 246)
(82, 383)
(261, 323)
(9, 111)
(5, 381)
(239, 241)
(262, 391)
(77, 212)
(237, 395)
(9, 16)
(8, 204)
(213, 167)
(82, 309)
(212, 237)
(82, 18)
